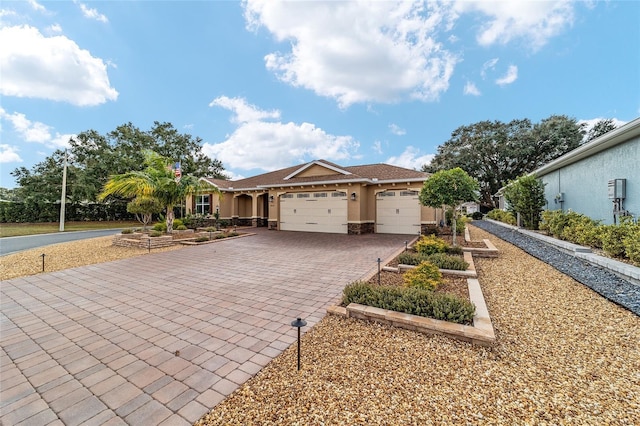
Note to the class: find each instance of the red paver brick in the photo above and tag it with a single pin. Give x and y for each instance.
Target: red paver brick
(150, 413)
(84, 410)
(146, 376)
(193, 411)
(170, 391)
(119, 396)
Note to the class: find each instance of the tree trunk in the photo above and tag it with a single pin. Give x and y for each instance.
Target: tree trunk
(169, 219)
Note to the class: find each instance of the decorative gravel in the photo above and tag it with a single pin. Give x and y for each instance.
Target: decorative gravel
(564, 355)
(607, 284)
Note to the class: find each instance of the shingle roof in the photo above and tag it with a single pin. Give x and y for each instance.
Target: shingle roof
(366, 173)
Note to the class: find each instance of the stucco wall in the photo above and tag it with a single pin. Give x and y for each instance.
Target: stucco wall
(584, 183)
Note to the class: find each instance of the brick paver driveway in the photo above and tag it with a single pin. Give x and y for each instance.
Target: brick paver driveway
(162, 338)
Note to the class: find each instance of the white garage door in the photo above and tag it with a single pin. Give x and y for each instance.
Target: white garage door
(397, 212)
(314, 212)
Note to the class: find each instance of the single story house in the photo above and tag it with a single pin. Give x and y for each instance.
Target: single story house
(321, 196)
(600, 179)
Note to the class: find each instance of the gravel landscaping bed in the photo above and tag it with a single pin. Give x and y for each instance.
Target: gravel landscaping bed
(68, 255)
(564, 355)
(607, 284)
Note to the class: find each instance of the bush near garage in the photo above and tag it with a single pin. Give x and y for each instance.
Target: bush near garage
(430, 244)
(426, 276)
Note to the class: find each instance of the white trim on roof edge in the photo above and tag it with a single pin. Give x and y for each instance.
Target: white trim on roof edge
(318, 163)
(620, 135)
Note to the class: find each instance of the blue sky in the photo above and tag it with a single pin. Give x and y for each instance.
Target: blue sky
(270, 84)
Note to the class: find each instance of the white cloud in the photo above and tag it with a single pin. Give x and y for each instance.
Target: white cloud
(54, 29)
(9, 154)
(397, 130)
(411, 158)
(87, 12)
(471, 89)
(37, 6)
(489, 65)
(243, 111)
(533, 21)
(589, 123)
(359, 52)
(509, 77)
(28, 130)
(34, 131)
(271, 146)
(377, 147)
(55, 68)
(258, 144)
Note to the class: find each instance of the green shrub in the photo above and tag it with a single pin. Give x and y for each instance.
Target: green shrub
(155, 233)
(414, 301)
(554, 222)
(461, 223)
(631, 244)
(430, 244)
(202, 239)
(502, 216)
(426, 276)
(181, 228)
(194, 221)
(582, 229)
(456, 250)
(477, 216)
(232, 234)
(441, 260)
(220, 236)
(612, 236)
(127, 231)
(448, 307)
(160, 226)
(445, 261)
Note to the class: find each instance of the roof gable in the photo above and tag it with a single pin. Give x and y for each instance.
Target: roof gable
(317, 168)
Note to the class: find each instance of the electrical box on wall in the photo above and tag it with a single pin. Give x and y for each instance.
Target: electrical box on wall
(617, 189)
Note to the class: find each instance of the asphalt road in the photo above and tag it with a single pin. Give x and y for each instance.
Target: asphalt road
(10, 245)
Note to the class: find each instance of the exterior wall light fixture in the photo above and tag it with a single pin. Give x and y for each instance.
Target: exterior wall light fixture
(271, 198)
(353, 196)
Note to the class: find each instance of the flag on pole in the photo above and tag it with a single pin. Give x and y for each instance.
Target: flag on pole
(177, 172)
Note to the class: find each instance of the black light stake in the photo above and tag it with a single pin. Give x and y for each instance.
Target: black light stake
(406, 245)
(379, 270)
(298, 323)
(149, 244)
(42, 256)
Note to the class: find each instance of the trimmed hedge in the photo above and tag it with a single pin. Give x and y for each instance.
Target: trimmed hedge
(502, 216)
(441, 260)
(622, 240)
(414, 301)
(430, 244)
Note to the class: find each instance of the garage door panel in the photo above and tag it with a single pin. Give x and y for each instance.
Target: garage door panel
(397, 212)
(314, 212)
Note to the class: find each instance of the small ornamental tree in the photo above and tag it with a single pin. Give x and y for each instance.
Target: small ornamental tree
(525, 195)
(449, 188)
(144, 208)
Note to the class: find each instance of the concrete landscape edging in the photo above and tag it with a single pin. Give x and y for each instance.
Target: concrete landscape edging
(481, 333)
(624, 270)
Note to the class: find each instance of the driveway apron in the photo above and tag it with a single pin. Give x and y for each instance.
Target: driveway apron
(162, 338)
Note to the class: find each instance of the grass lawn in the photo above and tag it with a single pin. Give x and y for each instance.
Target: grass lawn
(17, 229)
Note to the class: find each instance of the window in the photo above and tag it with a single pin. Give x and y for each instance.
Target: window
(303, 195)
(202, 204)
(287, 196)
(339, 194)
(320, 195)
(386, 194)
(408, 193)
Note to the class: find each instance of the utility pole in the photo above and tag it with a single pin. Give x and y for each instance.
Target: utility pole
(64, 191)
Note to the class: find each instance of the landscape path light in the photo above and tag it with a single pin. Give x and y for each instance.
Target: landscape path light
(298, 323)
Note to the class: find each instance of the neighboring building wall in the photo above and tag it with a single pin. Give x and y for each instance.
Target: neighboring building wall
(585, 182)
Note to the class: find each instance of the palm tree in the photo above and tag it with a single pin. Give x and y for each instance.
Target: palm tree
(157, 180)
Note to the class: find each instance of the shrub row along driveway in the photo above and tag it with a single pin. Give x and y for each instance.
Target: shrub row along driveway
(163, 338)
